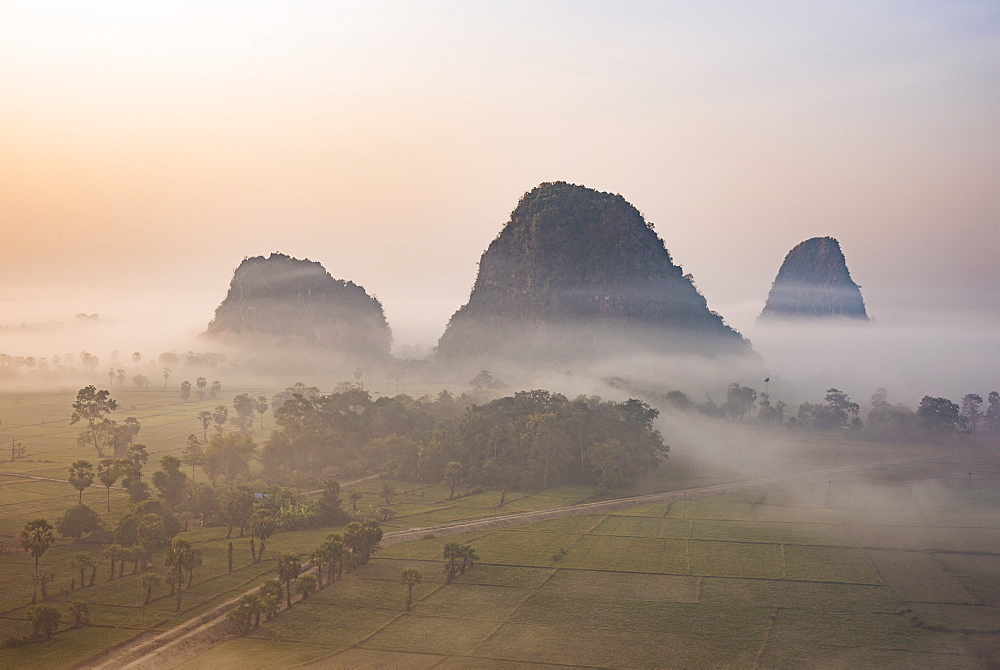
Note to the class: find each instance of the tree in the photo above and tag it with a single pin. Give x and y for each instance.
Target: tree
(166, 376)
(170, 481)
(235, 506)
(740, 401)
(469, 558)
(136, 457)
(992, 418)
(971, 403)
(185, 390)
(305, 586)
(270, 594)
(193, 454)
(410, 578)
(108, 472)
(262, 525)
(220, 416)
(355, 498)
(288, 569)
(608, 460)
(330, 510)
(44, 621)
(92, 406)
(229, 455)
(451, 553)
(244, 407)
(36, 538)
(260, 404)
(148, 581)
(112, 553)
(78, 521)
(81, 476)
(80, 613)
(201, 382)
(216, 387)
(362, 539)
(175, 559)
(192, 559)
(452, 473)
(334, 550)
(939, 416)
(82, 562)
(140, 381)
(206, 420)
(136, 357)
(387, 492)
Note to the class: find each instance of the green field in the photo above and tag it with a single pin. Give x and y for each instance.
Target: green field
(889, 567)
(714, 586)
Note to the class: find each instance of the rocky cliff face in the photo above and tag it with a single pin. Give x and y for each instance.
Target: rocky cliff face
(280, 300)
(814, 282)
(577, 274)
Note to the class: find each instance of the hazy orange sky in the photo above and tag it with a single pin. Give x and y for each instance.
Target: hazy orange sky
(147, 148)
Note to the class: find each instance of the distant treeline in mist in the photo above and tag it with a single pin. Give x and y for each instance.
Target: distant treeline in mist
(934, 417)
(134, 371)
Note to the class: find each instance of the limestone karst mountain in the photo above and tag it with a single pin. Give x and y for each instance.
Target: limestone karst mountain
(577, 274)
(280, 300)
(814, 282)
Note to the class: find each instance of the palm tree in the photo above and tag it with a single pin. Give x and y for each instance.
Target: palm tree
(318, 557)
(410, 578)
(220, 416)
(334, 549)
(305, 585)
(288, 568)
(36, 538)
(175, 558)
(166, 376)
(112, 553)
(148, 582)
(108, 471)
(201, 382)
(81, 562)
(81, 475)
(452, 473)
(192, 560)
(206, 420)
(355, 497)
(469, 558)
(260, 404)
(270, 597)
(452, 552)
(263, 525)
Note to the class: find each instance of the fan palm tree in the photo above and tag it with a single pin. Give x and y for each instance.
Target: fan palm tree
(36, 538)
(175, 558)
(288, 569)
(108, 471)
(409, 579)
(81, 475)
(451, 553)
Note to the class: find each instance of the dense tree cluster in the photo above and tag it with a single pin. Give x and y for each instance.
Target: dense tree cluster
(531, 439)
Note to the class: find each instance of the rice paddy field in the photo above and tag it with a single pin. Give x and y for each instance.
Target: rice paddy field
(890, 567)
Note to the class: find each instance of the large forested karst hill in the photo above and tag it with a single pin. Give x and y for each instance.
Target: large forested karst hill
(578, 275)
(814, 282)
(280, 300)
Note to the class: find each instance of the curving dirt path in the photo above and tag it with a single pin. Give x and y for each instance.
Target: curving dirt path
(179, 644)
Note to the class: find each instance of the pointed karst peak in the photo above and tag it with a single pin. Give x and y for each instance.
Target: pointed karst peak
(814, 282)
(284, 300)
(578, 274)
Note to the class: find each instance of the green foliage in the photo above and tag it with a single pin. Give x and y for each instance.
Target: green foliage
(76, 522)
(44, 621)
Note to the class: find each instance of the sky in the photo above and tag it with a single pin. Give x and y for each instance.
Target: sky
(147, 148)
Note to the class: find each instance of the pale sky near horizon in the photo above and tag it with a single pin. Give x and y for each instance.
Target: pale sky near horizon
(146, 148)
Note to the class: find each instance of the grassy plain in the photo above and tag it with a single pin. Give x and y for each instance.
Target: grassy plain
(806, 574)
(770, 579)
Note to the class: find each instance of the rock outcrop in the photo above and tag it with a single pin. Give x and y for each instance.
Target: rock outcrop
(577, 274)
(280, 300)
(814, 282)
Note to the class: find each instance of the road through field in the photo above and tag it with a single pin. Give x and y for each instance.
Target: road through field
(184, 642)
